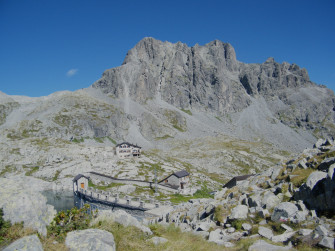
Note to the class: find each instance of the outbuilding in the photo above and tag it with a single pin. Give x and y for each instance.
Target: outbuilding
(80, 182)
(177, 180)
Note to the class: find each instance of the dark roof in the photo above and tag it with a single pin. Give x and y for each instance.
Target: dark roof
(128, 144)
(79, 176)
(243, 177)
(181, 173)
(233, 181)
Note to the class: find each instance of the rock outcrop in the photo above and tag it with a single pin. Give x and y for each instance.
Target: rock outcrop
(21, 203)
(31, 242)
(90, 239)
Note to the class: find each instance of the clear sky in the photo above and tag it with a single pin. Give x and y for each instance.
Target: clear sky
(54, 45)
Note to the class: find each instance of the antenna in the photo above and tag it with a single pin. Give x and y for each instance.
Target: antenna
(156, 187)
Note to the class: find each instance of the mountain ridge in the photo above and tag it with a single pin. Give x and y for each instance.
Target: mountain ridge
(164, 91)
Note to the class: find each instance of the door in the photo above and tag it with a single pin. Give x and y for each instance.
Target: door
(82, 185)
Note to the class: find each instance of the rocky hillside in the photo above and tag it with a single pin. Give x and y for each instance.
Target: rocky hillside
(292, 204)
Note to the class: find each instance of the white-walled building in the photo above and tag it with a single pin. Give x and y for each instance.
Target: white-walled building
(127, 150)
(80, 181)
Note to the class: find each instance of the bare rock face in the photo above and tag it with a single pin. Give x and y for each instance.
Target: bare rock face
(31, 242)
(21, 202)
(210, 78)
(197, 77)
(90, 239)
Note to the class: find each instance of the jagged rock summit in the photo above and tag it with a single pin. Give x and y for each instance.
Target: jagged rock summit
(210, 78)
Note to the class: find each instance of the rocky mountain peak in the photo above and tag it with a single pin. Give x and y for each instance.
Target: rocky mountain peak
(210, 78)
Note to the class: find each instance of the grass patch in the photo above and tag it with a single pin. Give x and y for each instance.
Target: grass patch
(104, 187)
(56, 175)
(7, 169)
(10, 233)
(201, 193)
(99, 140)
(112, 140)
(218, 118)
(302, 175)
(166, 136)
(32, 170)
(187, 111)
(75, 140)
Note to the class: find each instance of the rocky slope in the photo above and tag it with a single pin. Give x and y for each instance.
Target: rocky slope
(292, 204)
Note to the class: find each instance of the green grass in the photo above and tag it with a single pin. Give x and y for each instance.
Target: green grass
(112, 140)
(166, 136)
(99, 140)
(56, 175)
(201, 193)
(218, 118)
(7, 169)
(187, 111)
(32, 170)
(104, 187)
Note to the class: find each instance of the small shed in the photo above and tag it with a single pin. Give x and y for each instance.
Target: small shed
(80, 181)
(177, 180)
(234, 181)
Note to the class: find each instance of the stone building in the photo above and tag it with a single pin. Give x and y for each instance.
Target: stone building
(177, 180)
(80, 181)
(127, 150)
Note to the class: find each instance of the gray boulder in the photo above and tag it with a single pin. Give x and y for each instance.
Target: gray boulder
(120, 217)
(270, 200)
(239, 212)
(327, 242)
(265, 232)
(314, 178)
(326, 163)
(305, 232)
(29, 243)
(158, 240)
(282, 237)
(90, 239)
(263, 245)
(321, 230)
(246, 226)
(20, 202)
(284, 211)
(215, 236)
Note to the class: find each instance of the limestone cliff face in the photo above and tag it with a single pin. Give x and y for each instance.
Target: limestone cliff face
(209, 78)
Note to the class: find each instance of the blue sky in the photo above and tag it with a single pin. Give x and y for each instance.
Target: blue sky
(54, 45)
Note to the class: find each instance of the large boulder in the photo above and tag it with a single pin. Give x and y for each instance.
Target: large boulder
(21, 202)
(314, 178)
(284, 211)
(120, 217)
(265, 232)
(270, 200)
(263, 245)
(239, 212)
(318, 193)
(31, 242)
(327, 242)
(90, 239)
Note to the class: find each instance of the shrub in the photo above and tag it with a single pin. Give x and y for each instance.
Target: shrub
(4, 226)
(74, 219)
